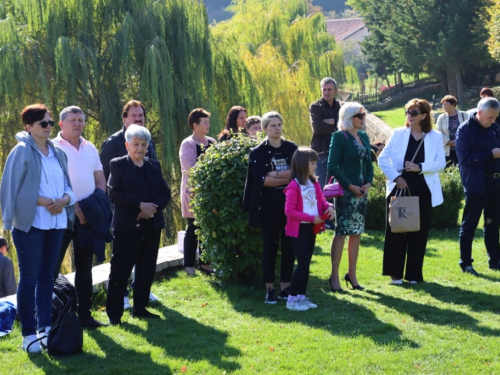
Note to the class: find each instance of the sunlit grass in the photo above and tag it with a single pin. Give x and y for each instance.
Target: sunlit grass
(447, 325)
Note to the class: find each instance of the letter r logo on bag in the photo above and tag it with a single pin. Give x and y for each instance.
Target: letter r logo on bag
(401, 212)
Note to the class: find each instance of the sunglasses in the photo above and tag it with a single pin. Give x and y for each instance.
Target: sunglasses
(360, 115)
(50, 123)
(412, 113)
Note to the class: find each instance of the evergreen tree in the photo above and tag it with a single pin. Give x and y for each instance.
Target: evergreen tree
(442, 37)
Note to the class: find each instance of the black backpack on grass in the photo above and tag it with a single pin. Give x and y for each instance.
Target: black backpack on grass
(66, 334)
(63, 292)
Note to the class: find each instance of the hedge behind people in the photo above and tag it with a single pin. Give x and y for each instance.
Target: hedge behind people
(232, 247)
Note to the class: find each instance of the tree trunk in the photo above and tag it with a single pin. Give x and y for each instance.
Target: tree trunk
(460, 87)
(452, 80)
(400, 81)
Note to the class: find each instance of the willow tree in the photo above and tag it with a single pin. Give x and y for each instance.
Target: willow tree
(99, 54)
(286, 52)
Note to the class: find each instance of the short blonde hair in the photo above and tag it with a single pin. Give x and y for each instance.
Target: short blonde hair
(347, 111)
(268, 116)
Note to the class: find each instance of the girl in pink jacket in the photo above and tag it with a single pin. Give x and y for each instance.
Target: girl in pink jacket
(304, 206)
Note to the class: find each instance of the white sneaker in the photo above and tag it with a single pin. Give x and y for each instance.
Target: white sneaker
(126, 303)
(397, 282)
(152, 297)
(413, 282)
(308, 303)
(297, 305)
(35, 348)
(45, 334)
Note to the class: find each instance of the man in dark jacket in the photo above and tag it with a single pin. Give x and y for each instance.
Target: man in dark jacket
(324, 115)
(114, 147)
(7, 279)
(478, 151)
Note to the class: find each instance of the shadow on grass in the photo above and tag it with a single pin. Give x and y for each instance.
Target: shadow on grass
(63, 365)
(477, 301)
(335, 313)
(430, 314)
(183, 337)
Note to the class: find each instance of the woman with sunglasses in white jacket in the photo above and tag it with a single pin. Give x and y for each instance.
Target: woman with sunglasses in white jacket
(412, 160)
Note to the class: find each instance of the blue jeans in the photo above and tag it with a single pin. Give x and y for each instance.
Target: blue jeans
(475, 204)
(37, 253)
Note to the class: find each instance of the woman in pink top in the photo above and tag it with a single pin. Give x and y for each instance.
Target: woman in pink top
(191, 149)
(304, 207)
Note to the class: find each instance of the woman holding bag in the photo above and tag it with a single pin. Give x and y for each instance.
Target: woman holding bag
(350, 162)
(408, 166)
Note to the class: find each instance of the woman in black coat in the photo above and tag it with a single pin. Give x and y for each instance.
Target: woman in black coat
(139, 194)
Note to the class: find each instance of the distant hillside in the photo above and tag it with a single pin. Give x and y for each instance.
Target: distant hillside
(215, 8)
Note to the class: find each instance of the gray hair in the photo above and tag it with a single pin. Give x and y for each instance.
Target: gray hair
(137, 131)
(71, 109)
(488, 103)
(346, 112)
(328, 80)
(268, 116)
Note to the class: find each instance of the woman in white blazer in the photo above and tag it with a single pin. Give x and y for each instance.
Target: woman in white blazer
(421, 178)
(447, 123)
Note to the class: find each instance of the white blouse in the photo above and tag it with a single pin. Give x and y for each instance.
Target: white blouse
(53, 184)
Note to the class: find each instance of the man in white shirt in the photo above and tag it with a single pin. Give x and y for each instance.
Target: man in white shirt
(86, 175)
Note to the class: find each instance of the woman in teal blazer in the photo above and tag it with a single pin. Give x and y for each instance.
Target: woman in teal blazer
(350, 163)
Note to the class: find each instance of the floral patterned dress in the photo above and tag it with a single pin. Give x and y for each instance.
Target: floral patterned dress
(350, 212)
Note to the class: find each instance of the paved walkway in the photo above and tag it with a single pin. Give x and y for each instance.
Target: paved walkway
(168, 256)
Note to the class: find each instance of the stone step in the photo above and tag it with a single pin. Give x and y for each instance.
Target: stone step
(168, 256)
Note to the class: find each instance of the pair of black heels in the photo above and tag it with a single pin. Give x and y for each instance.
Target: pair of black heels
(347, 280)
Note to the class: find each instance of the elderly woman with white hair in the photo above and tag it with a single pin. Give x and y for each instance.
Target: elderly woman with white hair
(139, 193)
(350, 163)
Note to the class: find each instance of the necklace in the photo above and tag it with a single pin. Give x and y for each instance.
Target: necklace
(416, 137)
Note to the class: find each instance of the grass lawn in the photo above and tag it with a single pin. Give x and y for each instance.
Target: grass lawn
(395, 117)
(447, 325)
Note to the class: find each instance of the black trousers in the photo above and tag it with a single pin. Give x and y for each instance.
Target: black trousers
(83, 258)
(139, 248)
(399, 247)
(476, 204)
(452, 159)
(191, 244)
(303, 247)
(272, 226)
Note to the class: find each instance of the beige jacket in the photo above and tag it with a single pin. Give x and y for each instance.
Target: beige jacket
(442, 127)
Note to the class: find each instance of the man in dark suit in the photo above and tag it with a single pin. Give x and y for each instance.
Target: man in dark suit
(113, 147)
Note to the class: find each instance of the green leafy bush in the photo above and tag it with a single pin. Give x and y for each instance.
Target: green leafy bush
(218, 180)
(443, 216)
(446, 215)
(375, 215)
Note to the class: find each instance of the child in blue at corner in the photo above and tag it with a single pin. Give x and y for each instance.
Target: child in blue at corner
(304, 205)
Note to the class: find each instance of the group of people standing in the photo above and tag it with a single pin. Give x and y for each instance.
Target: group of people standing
(58, 191)
(63, 190)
